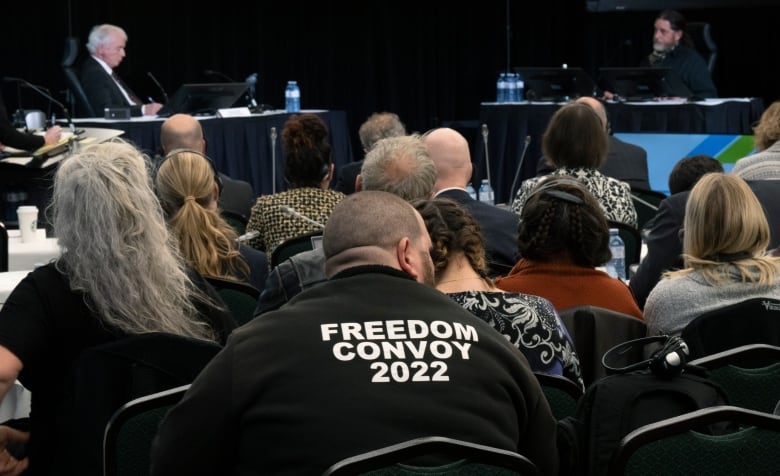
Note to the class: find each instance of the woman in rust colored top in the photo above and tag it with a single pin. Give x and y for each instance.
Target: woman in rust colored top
(562, 238)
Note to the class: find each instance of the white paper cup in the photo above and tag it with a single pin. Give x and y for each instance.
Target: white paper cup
(28, 222)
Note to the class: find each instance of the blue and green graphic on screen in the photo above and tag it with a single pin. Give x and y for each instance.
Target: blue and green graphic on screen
(664, 150)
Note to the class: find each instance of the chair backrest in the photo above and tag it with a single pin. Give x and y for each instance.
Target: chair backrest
(646, 203)
(127, 442)
(3, 248)
(241, 298)
(752, 321)
(105, 377)
(750, 375)
(77, 98)
(701, 35)
(293, 246)
(562, 394)
(595, 330)
(632, 240)
(676, 446)
(467, 459)
(236, 220)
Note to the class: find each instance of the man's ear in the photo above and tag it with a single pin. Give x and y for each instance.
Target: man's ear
(406, 257)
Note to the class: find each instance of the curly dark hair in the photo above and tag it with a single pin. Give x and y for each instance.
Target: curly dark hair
(307, 151)
(562, 218)
(452, 229)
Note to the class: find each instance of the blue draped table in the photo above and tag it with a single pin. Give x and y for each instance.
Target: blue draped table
(239, 146)
(508, 125)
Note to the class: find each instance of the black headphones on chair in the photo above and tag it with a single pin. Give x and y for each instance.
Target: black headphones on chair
(666, 362)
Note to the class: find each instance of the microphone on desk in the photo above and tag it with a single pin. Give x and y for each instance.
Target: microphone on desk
(519, 168)
(273, 159)
(251, 80)
(211, 72)
(291, 211)
(40, 91)
(159, 86)
(487, 158)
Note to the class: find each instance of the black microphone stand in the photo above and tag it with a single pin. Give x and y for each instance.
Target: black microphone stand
(40, 91)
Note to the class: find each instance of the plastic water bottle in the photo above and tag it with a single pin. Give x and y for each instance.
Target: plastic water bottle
(519, 87)
(616, 267)
(471, 191)
(511, 88)
(501, 88)
(292, 97)
(486, 192)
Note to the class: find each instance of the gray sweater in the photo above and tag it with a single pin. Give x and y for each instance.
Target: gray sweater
(674, 302)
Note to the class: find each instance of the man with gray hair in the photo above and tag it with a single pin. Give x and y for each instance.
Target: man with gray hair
(99, 79)
(383, 357)
(399, 165)
(379, 125)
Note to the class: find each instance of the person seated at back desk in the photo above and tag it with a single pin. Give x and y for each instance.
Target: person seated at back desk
(101, 83)
(626, 162)
(673, 49)
(11, 137)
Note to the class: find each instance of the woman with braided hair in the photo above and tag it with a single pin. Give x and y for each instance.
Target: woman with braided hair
(562, 238)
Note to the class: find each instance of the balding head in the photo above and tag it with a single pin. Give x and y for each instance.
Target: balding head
(597, 106)
(399, 165)
(377, 228)
(450, 153)
(182, 131)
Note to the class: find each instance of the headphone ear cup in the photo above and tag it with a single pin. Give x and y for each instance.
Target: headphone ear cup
(670, 359)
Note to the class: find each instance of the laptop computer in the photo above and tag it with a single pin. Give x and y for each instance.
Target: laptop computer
(643, 83)
(203, 98)
(555, 83)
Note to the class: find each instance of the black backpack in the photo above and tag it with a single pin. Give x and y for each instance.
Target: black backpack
(660, 387)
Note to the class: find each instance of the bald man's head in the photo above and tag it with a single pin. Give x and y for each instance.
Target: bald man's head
(597, 106)
(182, 131)
(449, 151)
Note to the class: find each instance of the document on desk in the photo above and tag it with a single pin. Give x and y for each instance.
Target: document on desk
(49, 155)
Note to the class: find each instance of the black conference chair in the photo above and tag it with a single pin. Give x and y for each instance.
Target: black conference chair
(679, 446)
(240, 297)
(595, 330)
(107, 376)
(752, 321)
(236, 220)
(293, 246)
(749, 374)
(562, 394)
(701, 35)
(646, 203)
(78, 103)
(467, 459)
(127, 443)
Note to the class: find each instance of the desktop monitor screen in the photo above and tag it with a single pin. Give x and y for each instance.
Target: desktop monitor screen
(640, 84)
(203, 98)
(555, 84)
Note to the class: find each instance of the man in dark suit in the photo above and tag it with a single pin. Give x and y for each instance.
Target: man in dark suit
(101, 83)
(664, 243)
(449, 151)
(378, 126)
(626, 162)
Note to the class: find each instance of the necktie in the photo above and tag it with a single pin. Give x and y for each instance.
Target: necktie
(133, 96)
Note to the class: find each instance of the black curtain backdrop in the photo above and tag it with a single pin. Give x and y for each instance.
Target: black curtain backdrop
(428, 61)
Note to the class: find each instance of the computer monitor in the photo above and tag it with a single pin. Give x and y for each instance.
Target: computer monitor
(555, 84)
(643, 83)
(203, 98)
